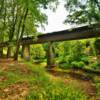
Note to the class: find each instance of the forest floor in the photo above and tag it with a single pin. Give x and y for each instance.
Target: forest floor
(10, 89)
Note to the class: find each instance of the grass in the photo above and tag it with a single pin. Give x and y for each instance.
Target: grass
(97, 84)
(42, 87)
(46, 89)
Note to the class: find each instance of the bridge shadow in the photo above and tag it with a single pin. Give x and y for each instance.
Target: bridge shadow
(72, 74)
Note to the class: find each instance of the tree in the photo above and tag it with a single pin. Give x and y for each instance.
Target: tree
(32, 8)
(3, 24)
(83, 11)
(20, 18)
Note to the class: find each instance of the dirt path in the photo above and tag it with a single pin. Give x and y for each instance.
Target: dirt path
(80, 80)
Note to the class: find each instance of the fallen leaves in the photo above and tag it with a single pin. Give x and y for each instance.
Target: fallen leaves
(17, 91)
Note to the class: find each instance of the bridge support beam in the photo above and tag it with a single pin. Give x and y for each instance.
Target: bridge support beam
(26, 52)
(50, 56)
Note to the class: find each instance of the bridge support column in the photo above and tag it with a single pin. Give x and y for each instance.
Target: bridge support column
(26, 52)
(50, 56)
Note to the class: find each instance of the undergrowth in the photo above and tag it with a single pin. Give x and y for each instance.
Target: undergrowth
(41, 86)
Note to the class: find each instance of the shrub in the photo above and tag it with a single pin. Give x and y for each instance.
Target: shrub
(77, 64)
(37, 52)
(85, 59)
(66, 59)
(62, 60)
(95, 65)
(97, 44)
(64, 66)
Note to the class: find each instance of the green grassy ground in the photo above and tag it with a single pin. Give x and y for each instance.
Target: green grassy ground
(39, 84)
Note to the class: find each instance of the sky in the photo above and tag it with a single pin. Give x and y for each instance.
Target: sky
(55, 19)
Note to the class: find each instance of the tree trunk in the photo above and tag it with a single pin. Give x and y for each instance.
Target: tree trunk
(12, 30)
(1, 52)
(18, 41)
(9, 52)
(17, 51)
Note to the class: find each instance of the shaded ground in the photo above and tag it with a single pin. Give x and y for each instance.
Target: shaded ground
(80, 79)
(18, 90)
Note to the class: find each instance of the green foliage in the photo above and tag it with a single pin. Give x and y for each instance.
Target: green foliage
(95, 65)
(60, 92)
(19, 18)
(70, 51)
(77, 50)
(37, 52)
(67, 59)
(98, 88)
(77, 64)
(97, 44)
(85, 59)
(82, 11)
(64, 66)
(46, 89)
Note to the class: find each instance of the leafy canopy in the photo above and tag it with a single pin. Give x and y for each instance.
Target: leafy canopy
(82, 11)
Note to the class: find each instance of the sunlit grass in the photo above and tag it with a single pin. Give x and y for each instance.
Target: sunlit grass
(46, 89)
(42, 87)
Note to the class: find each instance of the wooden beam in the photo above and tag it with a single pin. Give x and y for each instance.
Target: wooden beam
(84, 32)
(75, 34)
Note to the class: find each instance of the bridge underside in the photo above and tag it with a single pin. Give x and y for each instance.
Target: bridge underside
(84, 32)
(73, 34)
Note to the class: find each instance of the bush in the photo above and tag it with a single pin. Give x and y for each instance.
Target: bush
(85, 59)
(62, 60)
(38, 52)
(77, 64)
(95, 65)
(64, 66)
(66, 59)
